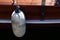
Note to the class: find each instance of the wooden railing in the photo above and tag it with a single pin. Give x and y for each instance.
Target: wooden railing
(31, 13)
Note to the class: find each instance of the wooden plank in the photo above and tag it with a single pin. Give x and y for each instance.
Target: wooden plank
(31, 12)
(28, 2)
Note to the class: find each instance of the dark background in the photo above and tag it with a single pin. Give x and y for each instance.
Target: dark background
(33, 32)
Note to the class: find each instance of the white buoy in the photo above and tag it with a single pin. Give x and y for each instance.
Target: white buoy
(18, 23)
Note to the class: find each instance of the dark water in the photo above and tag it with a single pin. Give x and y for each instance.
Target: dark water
(32, 33)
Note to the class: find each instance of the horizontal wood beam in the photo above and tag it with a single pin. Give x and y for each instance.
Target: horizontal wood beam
(33, 13)
(28, 2)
